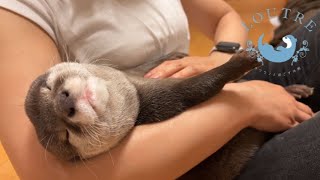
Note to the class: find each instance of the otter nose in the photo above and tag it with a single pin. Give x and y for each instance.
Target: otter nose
(66, 103)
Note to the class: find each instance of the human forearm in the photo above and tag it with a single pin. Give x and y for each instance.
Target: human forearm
(229, 29)
(216, 19)
(168, 149)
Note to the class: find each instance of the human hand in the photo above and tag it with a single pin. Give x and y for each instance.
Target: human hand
(271, 107)
(188, 66)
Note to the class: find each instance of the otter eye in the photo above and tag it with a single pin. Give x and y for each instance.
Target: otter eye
(48, 87)
(67, 135)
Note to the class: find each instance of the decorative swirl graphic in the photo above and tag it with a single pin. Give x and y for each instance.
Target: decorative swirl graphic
(302, 52)
(253, 51)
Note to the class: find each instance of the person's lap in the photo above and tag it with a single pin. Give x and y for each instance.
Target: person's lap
(294, 153)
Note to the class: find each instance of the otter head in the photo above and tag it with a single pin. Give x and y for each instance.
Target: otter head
(290, 41)
(81, 110)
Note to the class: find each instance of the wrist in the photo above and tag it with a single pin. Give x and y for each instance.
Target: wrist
(220, 58)
(240, 101)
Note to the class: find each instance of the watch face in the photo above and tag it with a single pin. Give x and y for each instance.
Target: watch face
(228, 47)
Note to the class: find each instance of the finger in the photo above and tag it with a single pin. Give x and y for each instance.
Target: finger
(305, 108)
(295, 124)
(165, 70)
(154, 70)
(185, 73)
(302, 116)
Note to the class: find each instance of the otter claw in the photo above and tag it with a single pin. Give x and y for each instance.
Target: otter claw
(300, 91)
(248, 59)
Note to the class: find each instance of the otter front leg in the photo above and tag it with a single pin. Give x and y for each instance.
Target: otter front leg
(164, 99)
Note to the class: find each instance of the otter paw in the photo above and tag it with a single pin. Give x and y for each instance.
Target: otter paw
(246, 59)
(300, 91)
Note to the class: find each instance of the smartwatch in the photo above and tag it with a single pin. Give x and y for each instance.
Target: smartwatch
(227, 47)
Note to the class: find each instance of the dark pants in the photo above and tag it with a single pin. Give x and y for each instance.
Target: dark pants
(294, 154)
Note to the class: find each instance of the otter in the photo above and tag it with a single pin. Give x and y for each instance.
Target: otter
(82, 110)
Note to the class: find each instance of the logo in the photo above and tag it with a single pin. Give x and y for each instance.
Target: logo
(279, 54)
(291, 49)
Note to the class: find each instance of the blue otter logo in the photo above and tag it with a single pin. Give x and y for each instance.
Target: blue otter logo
(280, 54)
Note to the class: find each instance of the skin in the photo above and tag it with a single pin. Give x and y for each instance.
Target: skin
(27, 51)
(219, 22)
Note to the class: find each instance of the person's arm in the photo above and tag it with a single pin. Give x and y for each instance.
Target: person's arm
(169, 149)
(219, 22)
(157, 151)
(25, 52)
(216, 19)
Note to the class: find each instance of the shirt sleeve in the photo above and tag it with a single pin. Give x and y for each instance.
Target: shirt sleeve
(34, 10)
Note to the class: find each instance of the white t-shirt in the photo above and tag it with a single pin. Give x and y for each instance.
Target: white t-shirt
(124, 33)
